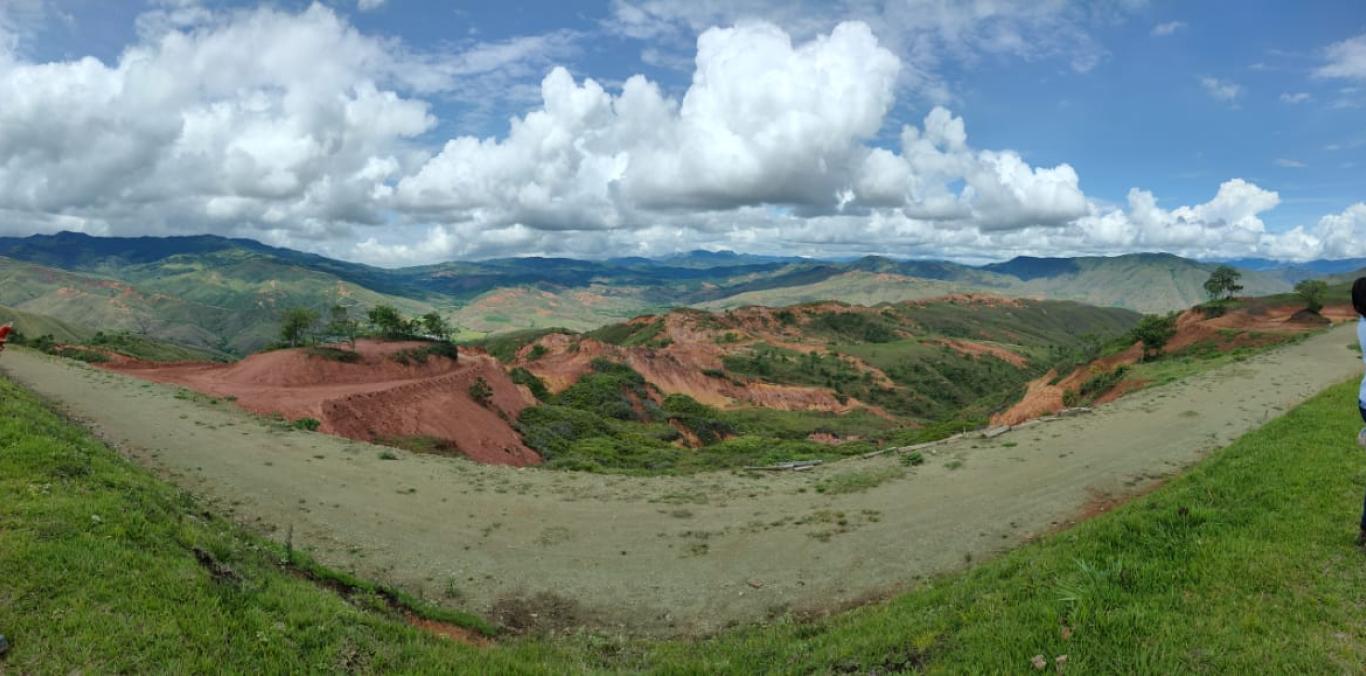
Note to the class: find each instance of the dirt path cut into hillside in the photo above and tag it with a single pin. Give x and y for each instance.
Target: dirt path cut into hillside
(675, 554)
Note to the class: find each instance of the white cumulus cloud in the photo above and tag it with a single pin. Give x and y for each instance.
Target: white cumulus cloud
(228, 122)
(1345, 59)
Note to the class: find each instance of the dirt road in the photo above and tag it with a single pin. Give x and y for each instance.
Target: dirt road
(675, 554)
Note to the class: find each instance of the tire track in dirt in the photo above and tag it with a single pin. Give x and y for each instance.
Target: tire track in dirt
(669, 555)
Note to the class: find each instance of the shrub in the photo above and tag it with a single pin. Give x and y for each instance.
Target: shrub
(334, 354)
(855, 326)
(1154, 331)
(1312, 290)
(551, 429)
(79, 354)
(297, 324)
(481, 392)
(310, 424)
(1096, 385)
(521, 376)
(913, 458)
(420, 355)
(537, 351)
(704, 421)
(856, 481)
(607, 390)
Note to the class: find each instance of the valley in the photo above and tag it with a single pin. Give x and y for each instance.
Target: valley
(675, 554)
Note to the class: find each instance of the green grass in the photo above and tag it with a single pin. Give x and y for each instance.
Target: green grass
(1244, 565)
(100, 574)
(1198, 359)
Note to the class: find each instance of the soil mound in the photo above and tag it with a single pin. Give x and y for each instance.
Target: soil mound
(1255, 325)
(1307, 317)
(385, 391)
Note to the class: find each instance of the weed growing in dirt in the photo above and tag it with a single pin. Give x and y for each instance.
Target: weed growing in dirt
(309, 424)
(481, 392)
(856, 481)
(333, 354)
(420, 355)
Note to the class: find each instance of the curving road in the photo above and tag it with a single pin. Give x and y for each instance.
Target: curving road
(675, 554)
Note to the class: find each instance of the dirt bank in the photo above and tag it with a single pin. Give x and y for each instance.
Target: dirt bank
(375, 396)
(1257, 326)
(676, 554)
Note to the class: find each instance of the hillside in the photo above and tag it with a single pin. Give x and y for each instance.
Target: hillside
(858, 287)
(1144, 282)
(96, 546)
(389, 392)
(225, 294)
(32, 324)
(810, 381)
(223, 301)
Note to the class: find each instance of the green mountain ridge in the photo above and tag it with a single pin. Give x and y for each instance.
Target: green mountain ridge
(226, 294)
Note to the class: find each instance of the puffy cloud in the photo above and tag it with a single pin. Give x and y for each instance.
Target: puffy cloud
(1295, 98)
(228, 123)
(235, 119)
(764, 121)
(924, 33)
(369, 5)
(1346, 59)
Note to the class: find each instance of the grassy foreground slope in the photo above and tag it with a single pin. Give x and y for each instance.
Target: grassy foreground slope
(1243, 565)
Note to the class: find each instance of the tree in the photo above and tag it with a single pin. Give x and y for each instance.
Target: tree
(436, 326)
(296, 325)
(1312, 290)
(1223, 283)
(343, 325)
(387, 320)
(1154, 331)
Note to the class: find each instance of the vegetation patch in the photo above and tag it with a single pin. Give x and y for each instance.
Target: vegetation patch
(420, 355)
(505, 346)
(857, 481)
(334, 354)
(630, 334)
(422, 444)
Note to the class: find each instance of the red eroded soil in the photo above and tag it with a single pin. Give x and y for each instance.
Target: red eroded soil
(374, 398)
(1253, 327)
(679, 368)
(973, 348)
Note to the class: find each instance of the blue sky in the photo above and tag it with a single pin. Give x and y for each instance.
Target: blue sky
(1175, 99)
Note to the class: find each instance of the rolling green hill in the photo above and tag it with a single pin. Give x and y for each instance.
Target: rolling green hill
(1143, 282)
(31, 324)
(224, 301)
(226, 294)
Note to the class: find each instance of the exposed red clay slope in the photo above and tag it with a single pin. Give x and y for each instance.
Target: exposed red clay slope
(1253, 327)
(691, 343)
(679, 368)
(374, 398)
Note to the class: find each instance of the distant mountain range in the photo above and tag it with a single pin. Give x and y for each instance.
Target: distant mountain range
(226, 294)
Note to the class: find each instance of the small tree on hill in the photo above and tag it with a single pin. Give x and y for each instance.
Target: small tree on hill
(296, 325)
(1154, 331)
(436, 327)
(1312, 290)
(387, 320)
(1223, 283)
(343, 325)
